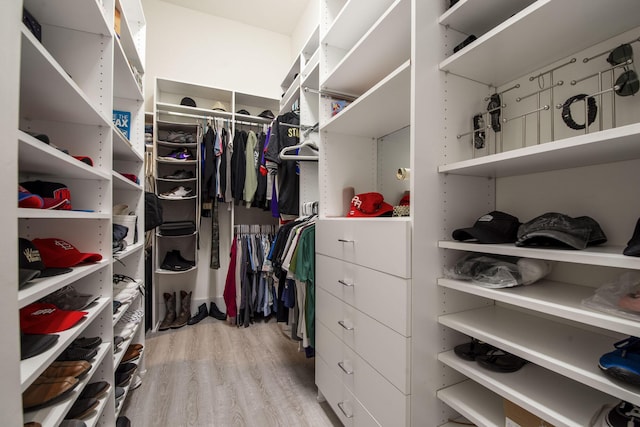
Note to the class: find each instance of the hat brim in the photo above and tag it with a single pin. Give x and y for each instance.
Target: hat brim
(26, 275)
(35, 344)
(79, 258)
(552, 238)
(480, 235)
(384, 209)
(51, 203)
(50, 272)
(28, 200)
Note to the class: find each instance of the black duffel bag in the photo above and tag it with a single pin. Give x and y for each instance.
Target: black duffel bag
(177, 228)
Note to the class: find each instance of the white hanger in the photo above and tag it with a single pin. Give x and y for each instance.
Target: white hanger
(307, 143)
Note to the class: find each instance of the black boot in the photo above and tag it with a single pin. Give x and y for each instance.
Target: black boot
(201, 314)
(214, 312)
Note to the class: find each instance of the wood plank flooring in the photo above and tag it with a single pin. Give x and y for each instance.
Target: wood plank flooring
(216, 375)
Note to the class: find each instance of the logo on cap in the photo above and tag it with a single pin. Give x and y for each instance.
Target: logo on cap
(64, 245)
(32, 255)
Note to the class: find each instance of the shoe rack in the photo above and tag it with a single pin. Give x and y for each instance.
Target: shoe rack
(66, 86)
(170, 116)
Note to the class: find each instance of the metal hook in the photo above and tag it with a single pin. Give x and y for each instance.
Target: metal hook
(571, 61)
(516, 86)
(560, 83)
(585, 60)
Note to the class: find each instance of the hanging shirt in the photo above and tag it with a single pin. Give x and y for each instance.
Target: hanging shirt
(251, 177)
(288, 178)
(238, 166)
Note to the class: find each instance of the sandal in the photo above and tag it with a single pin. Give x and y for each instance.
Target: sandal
(501, 361)
(473, 349)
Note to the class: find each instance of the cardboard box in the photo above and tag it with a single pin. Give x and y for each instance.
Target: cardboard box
(515, 416)
(116, 22)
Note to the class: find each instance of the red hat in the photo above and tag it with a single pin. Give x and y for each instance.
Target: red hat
(58, 253)
(369, 205)
(53, 194)
(41, 318)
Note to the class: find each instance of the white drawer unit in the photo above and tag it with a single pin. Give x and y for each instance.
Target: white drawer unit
(382, 296)
(342, 401)
(388, 405)
(383, 348)
(377, 243)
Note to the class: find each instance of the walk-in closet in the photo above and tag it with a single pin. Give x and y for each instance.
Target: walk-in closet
(320, 213)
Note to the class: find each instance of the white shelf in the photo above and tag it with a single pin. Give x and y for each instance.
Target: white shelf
(123, 149)
(170, 272)
(176, 180)
(554, 298)
(60, 214)
(311, 73)
(178, 144)
(124, 81)
(607, 146)
(118, 355)
(474, 402)
(34, 156)
(310, 47)
(252, 119)
(92, 420)
(177, 198)
(567, 350)
(176, 162)
(44, 83)
(127, 39)
(54, 414)
(381, 50)
(87, 16)
(291, 95)
(122, 183)
(606, 256)
(124, 307)
(364, 117)
(31, 368)
(131, 249)
(556, 399)
(195, 233)
(184, 109)
(354, 20)
(39, 288)
(495, 58)
(478, 17)
(292, 74)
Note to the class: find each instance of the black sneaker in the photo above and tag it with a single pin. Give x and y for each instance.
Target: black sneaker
(180, 174)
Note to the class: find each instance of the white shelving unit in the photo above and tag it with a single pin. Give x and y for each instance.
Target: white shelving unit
(67, 86)
(535, 165)
(364, 286)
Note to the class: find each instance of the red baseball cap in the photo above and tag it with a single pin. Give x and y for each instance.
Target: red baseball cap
(54, 195)
(58, 253)
(369, 205)
(42, 318)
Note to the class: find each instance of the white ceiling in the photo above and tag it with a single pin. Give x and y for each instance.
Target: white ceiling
(280, 16)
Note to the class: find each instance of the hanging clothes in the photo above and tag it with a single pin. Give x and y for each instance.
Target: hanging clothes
(229, 293)
(251, 171)
(238, 166)
(285, 133)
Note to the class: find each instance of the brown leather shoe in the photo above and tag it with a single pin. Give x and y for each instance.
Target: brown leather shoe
(44, 391)
(67, 369)
(136, 346)
(131, 354)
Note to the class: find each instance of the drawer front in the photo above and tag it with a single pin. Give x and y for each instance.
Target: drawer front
(382, 296)
(383, 348)
(380, 245)
(388, 405)
(342, 401)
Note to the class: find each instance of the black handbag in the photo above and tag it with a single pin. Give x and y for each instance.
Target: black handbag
(177, 228)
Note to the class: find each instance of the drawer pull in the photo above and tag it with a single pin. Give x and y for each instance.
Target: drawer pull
(340, 404)
(346, 241)
(343, 283)
(348, 328)
(341, 364)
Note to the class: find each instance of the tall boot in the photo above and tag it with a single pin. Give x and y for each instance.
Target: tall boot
(170, 312)
(185, 310)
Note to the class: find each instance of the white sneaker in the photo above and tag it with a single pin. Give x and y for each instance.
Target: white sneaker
(177, 193)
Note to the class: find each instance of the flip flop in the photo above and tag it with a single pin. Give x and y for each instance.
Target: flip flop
(473, 349)
(500, 361)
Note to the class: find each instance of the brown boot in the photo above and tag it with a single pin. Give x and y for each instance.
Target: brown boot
(170, 313)
(185, 310)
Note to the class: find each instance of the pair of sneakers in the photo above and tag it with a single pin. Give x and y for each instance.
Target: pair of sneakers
(179, 192)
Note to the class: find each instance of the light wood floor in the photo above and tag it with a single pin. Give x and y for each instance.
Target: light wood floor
(214, 374)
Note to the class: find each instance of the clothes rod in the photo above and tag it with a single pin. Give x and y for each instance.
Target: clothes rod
(329, 93)
(223, 115)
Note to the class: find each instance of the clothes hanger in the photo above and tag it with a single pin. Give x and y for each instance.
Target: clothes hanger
(306, 143)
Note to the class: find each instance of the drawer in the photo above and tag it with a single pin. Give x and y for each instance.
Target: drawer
(388, 405)
(382, 347)
(382, 296)
(383, 245)
(342, 401)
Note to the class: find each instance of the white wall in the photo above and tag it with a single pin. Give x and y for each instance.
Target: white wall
(198, 48)
(306, 24)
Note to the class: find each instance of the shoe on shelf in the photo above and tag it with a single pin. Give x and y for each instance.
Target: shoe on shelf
(123, 421)
(130, 355)
(95, 390)
(88, 343)
(178, 192)
(624, 362)
(126, 368)
(174, 261)
(45, 391)
(215, 312)
(179, 154)
(73, 423)
(74, 369)
(121, 380)
(201, 314)
(82, 408)
(180, 174)
(77, 353)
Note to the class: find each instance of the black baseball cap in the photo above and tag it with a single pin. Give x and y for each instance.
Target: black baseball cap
(31, 264)
(188, 102)
(267, 114)
(243, 111)
(494, 227)
(633, 246)
(557, 229)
